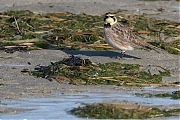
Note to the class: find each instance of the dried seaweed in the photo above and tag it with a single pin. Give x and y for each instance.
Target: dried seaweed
(76, 70)
(66, 30)
(173, 95)
(121, 111)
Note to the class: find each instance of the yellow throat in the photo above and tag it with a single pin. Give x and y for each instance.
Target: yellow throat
(110, 19)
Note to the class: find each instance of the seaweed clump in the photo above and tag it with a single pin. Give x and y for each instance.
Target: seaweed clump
(173, 95)
(63, 30)
(76, 70)
(115, 111)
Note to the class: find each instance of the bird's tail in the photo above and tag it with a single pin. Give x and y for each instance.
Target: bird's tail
(148, 47)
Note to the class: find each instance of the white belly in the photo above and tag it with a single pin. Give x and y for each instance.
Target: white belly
(115, 45)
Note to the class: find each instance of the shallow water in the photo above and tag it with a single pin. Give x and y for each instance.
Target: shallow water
(57, 108)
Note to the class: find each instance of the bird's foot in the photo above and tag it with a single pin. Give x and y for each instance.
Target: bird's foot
(119, 57)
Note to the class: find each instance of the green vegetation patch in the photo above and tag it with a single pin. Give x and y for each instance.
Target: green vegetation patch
(1, 84)
(42, 44)
(173, 47)
(66, 30)
(62, 28)
(173, 95)
(110, 111)
(76, 70)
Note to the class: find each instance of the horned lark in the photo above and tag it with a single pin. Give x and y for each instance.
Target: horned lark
(120, 37)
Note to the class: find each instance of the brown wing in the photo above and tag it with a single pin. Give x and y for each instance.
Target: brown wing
(125, 36)
(116, 38)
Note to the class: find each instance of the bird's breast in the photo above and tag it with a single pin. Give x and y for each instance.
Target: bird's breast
(114, 43)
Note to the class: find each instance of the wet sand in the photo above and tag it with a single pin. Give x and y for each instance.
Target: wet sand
(18, 85)
(159, 9)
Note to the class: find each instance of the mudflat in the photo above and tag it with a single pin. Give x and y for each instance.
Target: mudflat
(18, 85)
(159, 9)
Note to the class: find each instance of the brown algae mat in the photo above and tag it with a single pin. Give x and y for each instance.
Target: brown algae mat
(120, 111)
(75, 70)
(27, 30)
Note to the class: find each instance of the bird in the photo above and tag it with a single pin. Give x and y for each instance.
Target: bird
(122, 38)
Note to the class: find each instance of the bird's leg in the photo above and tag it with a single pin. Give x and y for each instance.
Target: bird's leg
(120, 56)
(122, 53)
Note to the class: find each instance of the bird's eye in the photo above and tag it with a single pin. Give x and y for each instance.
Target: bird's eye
(111, 16)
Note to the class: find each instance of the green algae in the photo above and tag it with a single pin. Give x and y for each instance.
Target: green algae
(173, 95)
(110, 111)
(83, 71)
(73, 31)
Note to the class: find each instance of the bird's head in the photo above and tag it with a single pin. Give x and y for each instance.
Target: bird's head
(109, 19)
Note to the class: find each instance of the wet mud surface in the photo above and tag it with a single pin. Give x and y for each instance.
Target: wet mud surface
(158, 9)
(17, 85)
(18, 89)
